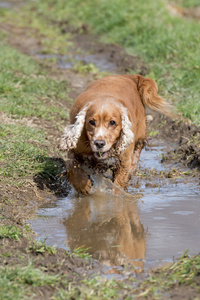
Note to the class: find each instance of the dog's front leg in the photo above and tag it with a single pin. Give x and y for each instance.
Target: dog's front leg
(78, 177)
(136, 154)
(122, 173)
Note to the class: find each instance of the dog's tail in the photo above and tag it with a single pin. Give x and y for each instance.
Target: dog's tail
(148, 91)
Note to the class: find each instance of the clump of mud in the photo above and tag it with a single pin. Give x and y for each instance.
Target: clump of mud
(186, 137)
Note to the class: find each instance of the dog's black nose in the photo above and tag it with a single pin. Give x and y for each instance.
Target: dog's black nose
(99, 143)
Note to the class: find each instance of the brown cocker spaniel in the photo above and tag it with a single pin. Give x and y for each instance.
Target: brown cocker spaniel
(108, 127)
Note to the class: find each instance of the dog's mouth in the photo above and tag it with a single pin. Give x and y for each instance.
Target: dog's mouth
(101, 155)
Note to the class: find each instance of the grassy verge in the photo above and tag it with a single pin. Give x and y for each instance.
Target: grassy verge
(169, 44)
(184, 272)
(26, 91)
(20, 280)
(38, 268)
(11, 232)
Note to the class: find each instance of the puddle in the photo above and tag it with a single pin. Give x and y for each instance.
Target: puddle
(151, 227)
(155, 224)
(4, 4)
(69, 61)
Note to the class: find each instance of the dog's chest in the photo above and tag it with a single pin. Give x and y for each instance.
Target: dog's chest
(101, 165)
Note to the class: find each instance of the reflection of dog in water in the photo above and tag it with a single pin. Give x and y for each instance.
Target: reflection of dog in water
(110, 229)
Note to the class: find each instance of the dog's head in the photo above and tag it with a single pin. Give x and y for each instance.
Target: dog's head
(107, 127)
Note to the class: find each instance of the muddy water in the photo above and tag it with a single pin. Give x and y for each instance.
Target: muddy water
(70, 61)
(154, 224)
(4, 4)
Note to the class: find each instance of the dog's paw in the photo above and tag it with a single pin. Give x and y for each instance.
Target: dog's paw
(85, 190)
(82, 183)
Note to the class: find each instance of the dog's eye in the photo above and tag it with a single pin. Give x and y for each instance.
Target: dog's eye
(112, 122)
(92, 122)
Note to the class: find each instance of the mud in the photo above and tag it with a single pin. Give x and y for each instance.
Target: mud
(186, 137)
(114, 54)
(151, 225)
(189, 13)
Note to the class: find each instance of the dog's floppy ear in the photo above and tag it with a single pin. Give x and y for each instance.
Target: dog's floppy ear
(73, 132)
(127, 135)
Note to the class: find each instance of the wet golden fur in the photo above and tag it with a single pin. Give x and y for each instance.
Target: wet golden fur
(108, 121)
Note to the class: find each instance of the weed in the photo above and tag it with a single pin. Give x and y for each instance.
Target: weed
(153, 133)
(27, 228)
(41, 247)
(80, 252)
(91, 289)
(8, 254)
(16, 282)
(187, 173)
(86, 68)
(50, 167)
(185, 271)
(10, 232)
(163, 157)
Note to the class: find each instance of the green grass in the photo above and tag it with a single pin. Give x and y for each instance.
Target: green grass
(168, 44)
(153, 133)
(19, 149)
(81, 252)
(41, 247)
(86, 68)
(49, 35)
(26, 90)
(11, 232)
(15, 283)
(24, 153)
(29, 275)
(92, 289)
(183, 272)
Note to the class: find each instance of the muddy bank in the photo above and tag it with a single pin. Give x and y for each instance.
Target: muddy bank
(186, 137)
(25, 254)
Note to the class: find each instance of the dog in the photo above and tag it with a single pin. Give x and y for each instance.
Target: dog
(108, 128)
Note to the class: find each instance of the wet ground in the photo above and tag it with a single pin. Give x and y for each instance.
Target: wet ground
(153, 225)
